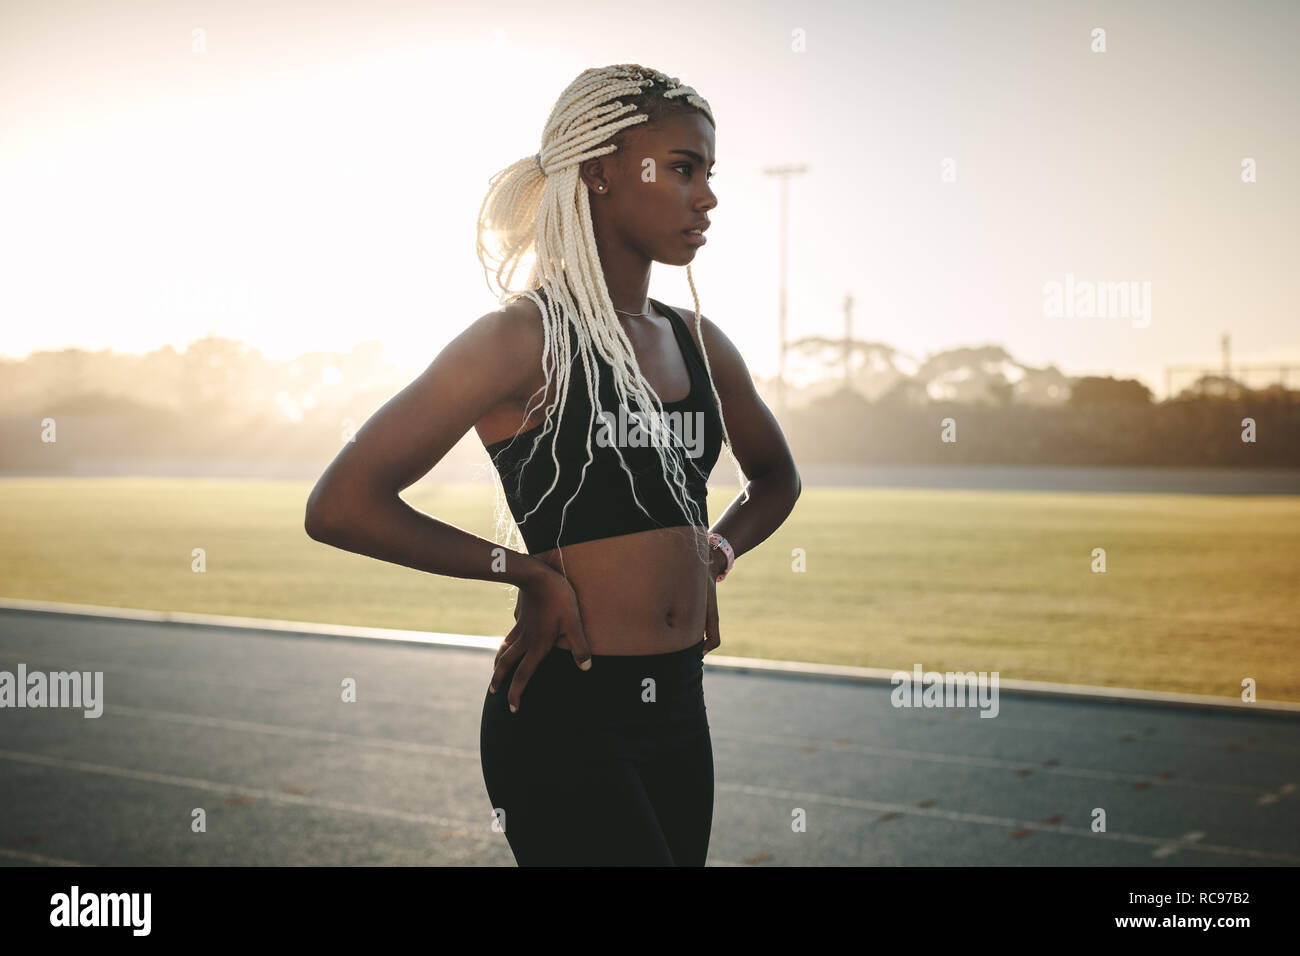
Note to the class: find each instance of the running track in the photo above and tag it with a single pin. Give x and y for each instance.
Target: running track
(249, 725)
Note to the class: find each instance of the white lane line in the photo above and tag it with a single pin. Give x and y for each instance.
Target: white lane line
(38, 858)
(1169, 849)
(302, 733)
(1008, 823)
(1170, 726)
(259, 793)
(1273, 796)
(310, 688)
(299, 628)
(993, 763)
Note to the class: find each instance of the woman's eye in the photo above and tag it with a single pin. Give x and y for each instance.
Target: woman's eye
(687, 167)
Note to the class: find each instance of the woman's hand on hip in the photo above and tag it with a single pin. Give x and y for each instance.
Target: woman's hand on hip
(547, 609)
(712, 638)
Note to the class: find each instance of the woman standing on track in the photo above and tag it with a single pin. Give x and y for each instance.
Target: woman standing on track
(607, 760)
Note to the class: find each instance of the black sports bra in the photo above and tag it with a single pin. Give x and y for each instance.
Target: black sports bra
(604, 507)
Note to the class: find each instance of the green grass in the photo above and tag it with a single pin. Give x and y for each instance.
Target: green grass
(1199, 590)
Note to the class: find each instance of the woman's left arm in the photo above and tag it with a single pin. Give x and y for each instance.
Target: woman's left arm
(772, 481)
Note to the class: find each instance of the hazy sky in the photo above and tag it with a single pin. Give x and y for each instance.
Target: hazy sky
(311, 177)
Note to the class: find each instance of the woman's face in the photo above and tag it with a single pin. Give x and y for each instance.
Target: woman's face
(659, 188)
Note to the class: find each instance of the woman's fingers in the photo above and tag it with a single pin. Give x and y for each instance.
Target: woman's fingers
(511, 636)
(577, 639)
(712, 638)
(509, 651)
(523, 673)
(510, 639)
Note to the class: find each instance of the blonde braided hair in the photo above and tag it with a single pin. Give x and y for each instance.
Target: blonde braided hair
(539, 207)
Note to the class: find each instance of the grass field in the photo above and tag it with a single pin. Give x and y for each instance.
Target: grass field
(1199, 591)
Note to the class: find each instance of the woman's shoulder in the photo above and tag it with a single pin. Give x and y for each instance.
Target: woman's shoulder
(523, 313)
(512, 333)
(522, 321)
(688, 317)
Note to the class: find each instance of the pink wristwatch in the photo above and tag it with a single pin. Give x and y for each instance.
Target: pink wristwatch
(718, 541)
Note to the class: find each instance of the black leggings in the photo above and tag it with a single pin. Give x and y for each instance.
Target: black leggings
(607, 767)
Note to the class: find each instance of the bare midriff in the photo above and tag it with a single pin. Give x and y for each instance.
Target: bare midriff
(642, 593)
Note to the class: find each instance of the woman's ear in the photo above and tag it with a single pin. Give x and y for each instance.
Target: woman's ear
(594, 174)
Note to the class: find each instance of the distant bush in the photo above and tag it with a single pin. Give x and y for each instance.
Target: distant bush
(1095, 390)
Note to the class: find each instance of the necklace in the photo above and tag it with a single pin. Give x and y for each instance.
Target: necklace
(639, 315)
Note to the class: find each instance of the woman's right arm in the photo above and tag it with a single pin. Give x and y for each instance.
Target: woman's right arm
(355, 505)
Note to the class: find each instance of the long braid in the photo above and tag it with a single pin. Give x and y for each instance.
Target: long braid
(539, 208)
(726, 438)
